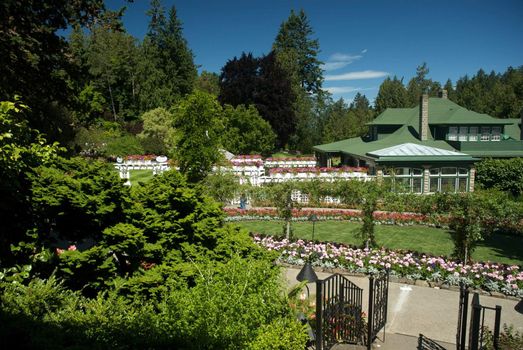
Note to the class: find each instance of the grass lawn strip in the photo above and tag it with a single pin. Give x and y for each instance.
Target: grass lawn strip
(429, 240)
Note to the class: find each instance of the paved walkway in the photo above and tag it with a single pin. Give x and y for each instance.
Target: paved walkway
(413, 310)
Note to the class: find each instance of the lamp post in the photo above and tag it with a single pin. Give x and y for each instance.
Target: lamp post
(307, 274)
(313, 218)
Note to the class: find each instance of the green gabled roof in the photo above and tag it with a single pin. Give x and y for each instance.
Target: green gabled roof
(513, 130)
(356, 146)
(441, 111)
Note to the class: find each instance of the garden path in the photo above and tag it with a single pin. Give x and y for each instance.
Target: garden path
(414, 309)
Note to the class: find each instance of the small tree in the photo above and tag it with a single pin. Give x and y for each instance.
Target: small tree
(466, 226)
(372, 193)
(197, 119)
(281, 196)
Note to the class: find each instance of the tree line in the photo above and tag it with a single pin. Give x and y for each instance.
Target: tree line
(98, 91)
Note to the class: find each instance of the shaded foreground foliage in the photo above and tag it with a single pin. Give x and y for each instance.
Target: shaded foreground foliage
(224, 309)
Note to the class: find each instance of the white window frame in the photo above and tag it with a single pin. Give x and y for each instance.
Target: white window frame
(496, 133)
(453, 133)
(473, 133)
(485, 133)
(463, 133)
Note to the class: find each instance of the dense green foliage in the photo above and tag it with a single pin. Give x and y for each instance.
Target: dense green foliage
(199, 128)
(497, 94)
(246, 132)
(503, 174)
(261, 82)
(229, 306)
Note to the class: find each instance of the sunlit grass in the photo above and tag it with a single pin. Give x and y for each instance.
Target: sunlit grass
(429, 240)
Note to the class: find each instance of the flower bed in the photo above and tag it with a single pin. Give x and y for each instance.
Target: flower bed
(318, 170)
(141, 157)
(507, 279)
(381, 217)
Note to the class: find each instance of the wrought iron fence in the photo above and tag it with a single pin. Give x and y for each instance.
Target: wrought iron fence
(338, 312)
(378, 301)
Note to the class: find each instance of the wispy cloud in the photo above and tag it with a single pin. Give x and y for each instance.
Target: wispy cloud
(340, 60)
(346, 89)
(364, 51)
(366, 74)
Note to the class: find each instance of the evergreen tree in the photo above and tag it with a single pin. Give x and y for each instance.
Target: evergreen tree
(392, 94)
(111, 58)
(451, 93)
(420, 84)
(166, 68)
(294, 45)
(35, 60)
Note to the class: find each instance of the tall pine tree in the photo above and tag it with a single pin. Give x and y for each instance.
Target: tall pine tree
(166, 67)
(295, 47)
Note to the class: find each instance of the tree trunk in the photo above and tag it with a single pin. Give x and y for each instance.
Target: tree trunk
(112, 101)
(288, 230)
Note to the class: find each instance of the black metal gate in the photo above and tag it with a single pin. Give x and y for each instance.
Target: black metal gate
(338, 312)
(477, 322)
(378, 301)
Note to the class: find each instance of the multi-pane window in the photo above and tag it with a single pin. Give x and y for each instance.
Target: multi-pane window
(453, 133)
(473, 133)
(448, 179)
(485, 133)
(406, 179)
(463, 133)
(496, 133)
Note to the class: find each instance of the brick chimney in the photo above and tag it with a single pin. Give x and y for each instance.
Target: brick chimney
(424, 117)
(443, 94)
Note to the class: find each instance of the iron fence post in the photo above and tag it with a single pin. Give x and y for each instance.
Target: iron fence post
(475, 323)
(319, 321)
(497, 327)
(464, 308)
(370, 313)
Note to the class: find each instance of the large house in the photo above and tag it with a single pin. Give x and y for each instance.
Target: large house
(429, 148)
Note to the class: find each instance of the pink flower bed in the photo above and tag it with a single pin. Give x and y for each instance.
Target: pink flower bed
(291, 159)
(318, 170)
(507, 279)
(381, 217)
(141, 157)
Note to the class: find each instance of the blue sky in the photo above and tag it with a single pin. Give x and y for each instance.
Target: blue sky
(361, 42)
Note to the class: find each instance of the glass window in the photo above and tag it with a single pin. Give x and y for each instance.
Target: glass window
(434, 171)
(401, 171)
(473, 133)
(416, 172)
(463, 171)
(448, 171)
(453, 131)
(485, 133)
(496, 133)
(463, 184)
(433, 184)
(417, 184)
(448, 184)
(463, 131)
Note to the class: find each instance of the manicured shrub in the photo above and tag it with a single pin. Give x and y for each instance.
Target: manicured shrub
(502, 174)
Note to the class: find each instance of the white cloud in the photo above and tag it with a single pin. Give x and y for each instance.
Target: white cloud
(340, 60)
(346, 89)
(366, 74)
(364, 51)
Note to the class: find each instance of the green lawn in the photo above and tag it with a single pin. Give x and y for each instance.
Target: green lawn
(434, 241)
(140, 176)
